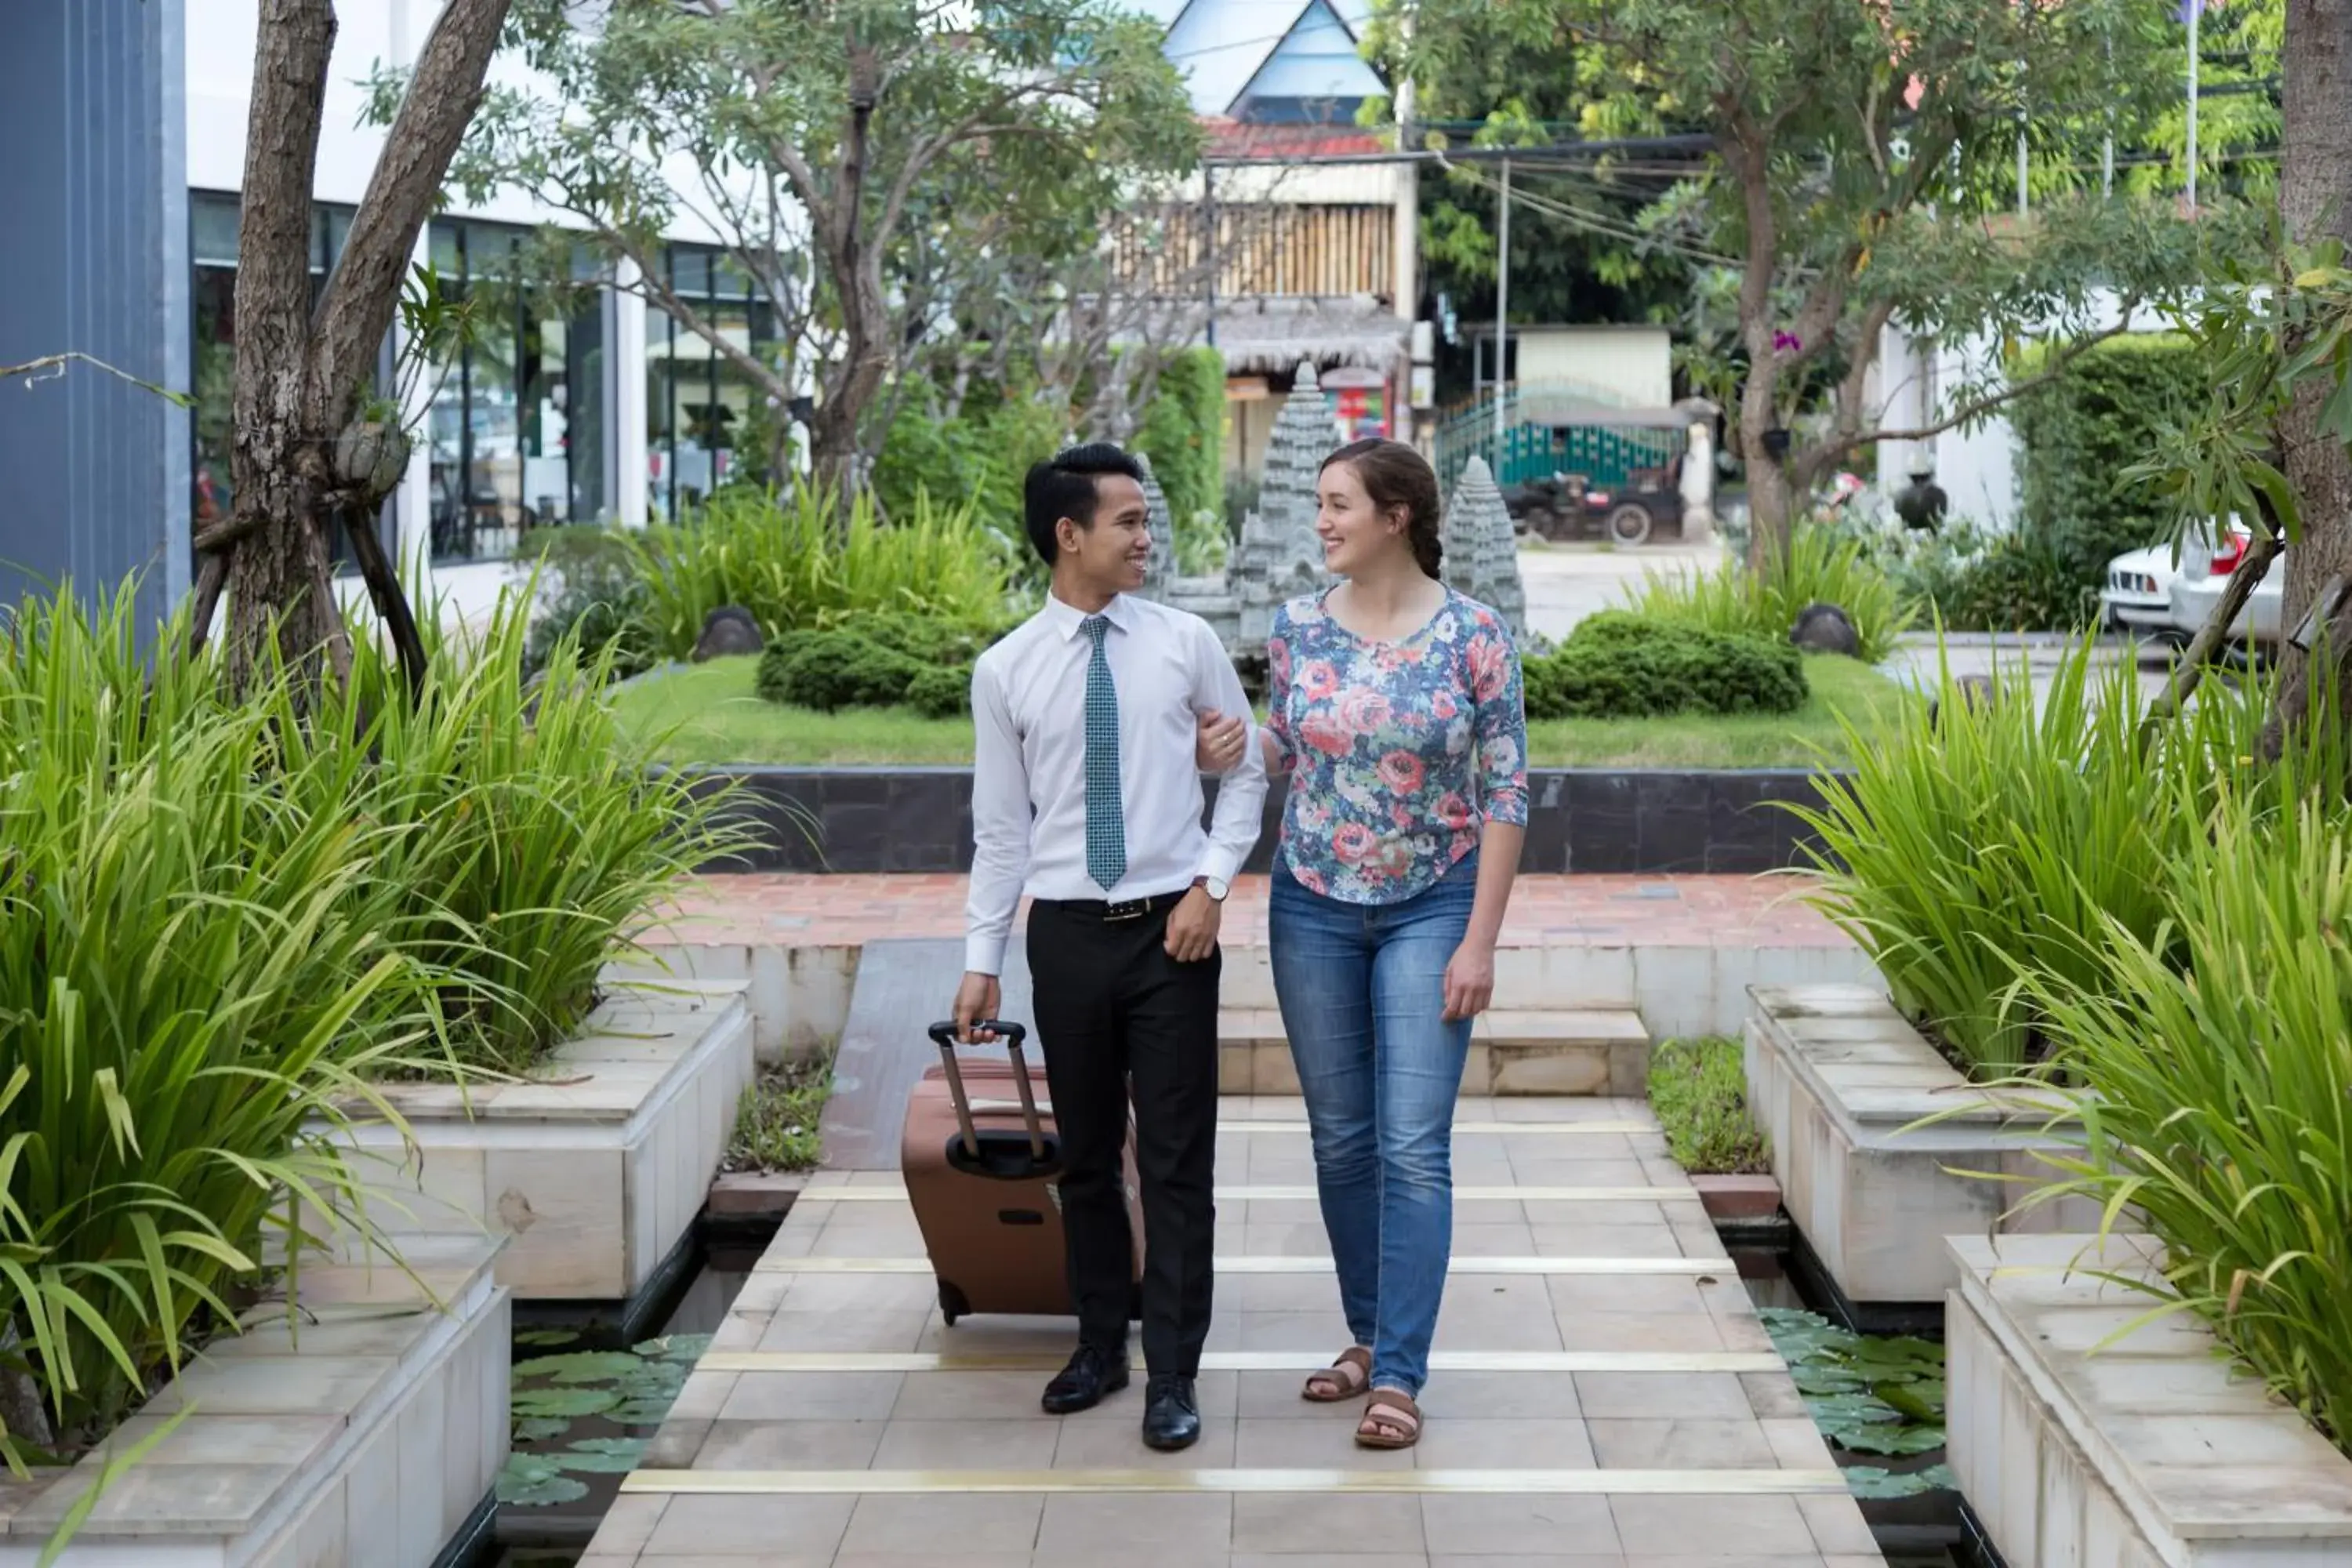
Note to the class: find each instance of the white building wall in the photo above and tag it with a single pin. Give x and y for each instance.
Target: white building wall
(1634, 362)
(1977, 467)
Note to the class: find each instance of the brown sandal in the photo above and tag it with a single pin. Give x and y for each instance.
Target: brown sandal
(1392, 1421)
(1341, 1381)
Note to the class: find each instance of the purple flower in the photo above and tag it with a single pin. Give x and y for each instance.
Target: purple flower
(1786, 343)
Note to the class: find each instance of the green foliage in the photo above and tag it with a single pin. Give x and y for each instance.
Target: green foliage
(1699, 1090)
(1618, 665)
(194, 968)
(2080, 436)
(1819, 567)
(598, 601)
(1184, 433)
(2224, 1105)
(1868, 1394)
(2017, 581)
(978, 457)
(1965, 848)
(800, 564)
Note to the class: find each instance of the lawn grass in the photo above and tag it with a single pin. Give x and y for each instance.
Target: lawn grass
(1699, 1088)
(709, 713)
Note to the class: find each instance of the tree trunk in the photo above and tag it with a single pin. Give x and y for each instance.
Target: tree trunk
(1771, 509)
(302, 371)
(278, 579)
(2316, 199)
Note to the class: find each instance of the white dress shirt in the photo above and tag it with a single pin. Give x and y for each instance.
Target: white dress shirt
(1029, 764)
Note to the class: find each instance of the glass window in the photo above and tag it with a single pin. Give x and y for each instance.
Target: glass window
(703, 410)
(515, 433)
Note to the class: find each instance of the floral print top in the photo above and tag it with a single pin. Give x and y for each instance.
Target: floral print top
(1397, 751)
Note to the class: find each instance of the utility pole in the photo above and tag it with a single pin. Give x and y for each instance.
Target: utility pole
(1502, 312)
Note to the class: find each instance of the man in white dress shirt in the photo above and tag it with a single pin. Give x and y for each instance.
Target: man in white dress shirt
(1086, 797)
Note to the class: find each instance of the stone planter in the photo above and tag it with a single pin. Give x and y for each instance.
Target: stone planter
(596, 1167)
(2076, 1447)
(372, 1434)
(1837, 1080)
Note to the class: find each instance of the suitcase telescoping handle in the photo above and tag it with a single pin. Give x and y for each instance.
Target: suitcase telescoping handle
(944, 1037)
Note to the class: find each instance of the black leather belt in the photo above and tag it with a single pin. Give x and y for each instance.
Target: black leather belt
(1110, 914)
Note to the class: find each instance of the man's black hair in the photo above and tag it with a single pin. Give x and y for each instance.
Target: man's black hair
(1064, 486)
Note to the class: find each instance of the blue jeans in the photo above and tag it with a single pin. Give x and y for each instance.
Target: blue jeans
(1362, 992)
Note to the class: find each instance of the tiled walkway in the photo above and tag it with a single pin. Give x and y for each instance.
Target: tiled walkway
(1546, 910)
(1603, 1394)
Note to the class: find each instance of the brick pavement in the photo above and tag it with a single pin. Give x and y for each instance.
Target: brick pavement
(1546, 911)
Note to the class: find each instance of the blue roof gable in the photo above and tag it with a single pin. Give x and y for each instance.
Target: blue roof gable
(1279, 59)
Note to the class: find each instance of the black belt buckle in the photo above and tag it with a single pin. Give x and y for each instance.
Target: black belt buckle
(1132, 910)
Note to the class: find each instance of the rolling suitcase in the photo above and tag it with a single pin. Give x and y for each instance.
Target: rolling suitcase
(981, 1171)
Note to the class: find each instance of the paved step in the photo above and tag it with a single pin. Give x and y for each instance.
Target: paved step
(1603, 1396)
(1513, 1052)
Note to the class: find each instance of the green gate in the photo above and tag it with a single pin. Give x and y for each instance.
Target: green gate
(1541, 437)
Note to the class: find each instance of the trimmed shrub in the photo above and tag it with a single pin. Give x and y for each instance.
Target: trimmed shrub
(2076, 434)
(1617, 664)
(875, 661)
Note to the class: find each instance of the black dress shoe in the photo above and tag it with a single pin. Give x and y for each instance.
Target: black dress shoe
(1093, 1373)
(1171, 1416)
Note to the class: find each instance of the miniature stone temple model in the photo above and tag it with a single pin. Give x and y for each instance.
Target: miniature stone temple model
(1279, 556)
(1482, 555)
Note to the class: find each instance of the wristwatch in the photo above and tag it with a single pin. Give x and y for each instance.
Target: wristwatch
(1216, 887)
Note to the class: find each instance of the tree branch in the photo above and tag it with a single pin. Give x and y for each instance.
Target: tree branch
(1978, 407)
(360, 298)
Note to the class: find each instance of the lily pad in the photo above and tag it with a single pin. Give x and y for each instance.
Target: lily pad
(535, 1480)
(547, 1337)
(1921, 1401)
(605, 1456)
(1827, 1379)
(642, 1411)
(564, 1401)
(1882, 1438)
(1871, 1483)
(582, 1366)
(541, 1429)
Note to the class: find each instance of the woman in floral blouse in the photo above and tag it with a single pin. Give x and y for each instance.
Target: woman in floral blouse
(1395, 706)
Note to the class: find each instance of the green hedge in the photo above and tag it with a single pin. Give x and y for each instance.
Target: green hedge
(2077, 435)
(1618, 665)
(1184, 433)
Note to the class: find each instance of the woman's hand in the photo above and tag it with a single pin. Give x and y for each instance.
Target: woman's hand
(1220, 742)
(1469, 979)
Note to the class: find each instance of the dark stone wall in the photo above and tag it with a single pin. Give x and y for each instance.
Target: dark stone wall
(919, 819)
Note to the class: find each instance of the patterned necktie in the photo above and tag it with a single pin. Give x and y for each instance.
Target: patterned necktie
(1106, 819)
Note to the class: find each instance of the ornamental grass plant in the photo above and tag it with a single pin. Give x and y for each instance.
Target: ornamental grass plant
(2220, 1048)
(197, 974)
(1976, 839)
(803, 563)
(1821, 566)
(534, 840)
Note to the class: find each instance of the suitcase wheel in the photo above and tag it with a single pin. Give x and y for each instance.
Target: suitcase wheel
(953, 1304)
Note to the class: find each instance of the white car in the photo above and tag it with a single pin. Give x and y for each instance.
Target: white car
(2147, 592)
(2137, 593)
(2205, 572)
